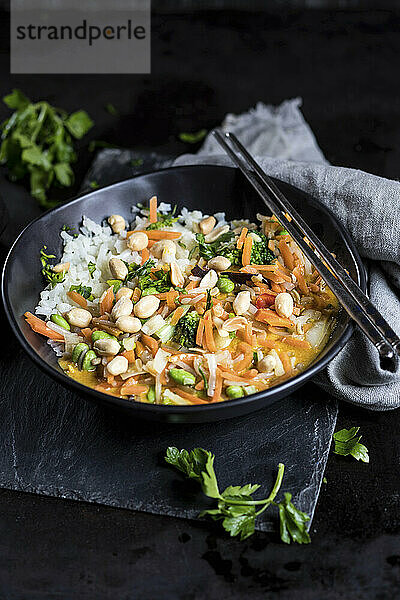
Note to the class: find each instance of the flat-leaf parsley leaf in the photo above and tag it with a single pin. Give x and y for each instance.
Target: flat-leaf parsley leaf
(347, 442)
(236, 507)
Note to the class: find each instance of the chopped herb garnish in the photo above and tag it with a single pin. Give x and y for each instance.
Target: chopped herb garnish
(91, 268)
(94, 144)
(225, 245)
(182, 245)
(348, 443)
(209, 301)
(37, 142)
(137, 162)
(94, 185)
(236, 507)
(51, 277)
(193, 138)
(115, 283)
(83, 290)
(164, 220)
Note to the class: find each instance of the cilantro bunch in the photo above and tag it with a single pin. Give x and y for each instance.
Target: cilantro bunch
(37, 142)
(236, 507)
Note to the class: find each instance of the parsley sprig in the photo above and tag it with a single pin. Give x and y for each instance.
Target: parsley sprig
(347, 442)
(236, 507)
(37, 142)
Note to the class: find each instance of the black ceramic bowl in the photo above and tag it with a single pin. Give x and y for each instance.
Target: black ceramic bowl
(209, 188)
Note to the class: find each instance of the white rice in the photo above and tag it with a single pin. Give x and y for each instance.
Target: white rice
(97, 244)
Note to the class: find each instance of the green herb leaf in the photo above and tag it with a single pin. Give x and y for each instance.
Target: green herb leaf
(83, 290)
(64, 174)
(115, 283)
(197, 464)
(193, 138)
(91, 268)
(348, 443)
(51, 277)
(137, 162)
(292, 522)
(36, 144)
(94, 185)
(236, 507)
(16, 100)
(79, 123)
(164, 220)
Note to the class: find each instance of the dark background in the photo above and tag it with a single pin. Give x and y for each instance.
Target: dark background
(344, 64)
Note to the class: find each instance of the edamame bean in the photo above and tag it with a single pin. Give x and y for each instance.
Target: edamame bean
(225, 285)
(182, 377)
(60, 321)
(77, 351)
(151, 395)
(250, 389)
(234, 391)
(87, 361)
(101, 335)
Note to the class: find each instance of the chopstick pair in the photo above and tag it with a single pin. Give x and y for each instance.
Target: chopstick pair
(350, 296)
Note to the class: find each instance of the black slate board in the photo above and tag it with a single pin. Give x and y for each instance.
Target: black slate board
(56, 444)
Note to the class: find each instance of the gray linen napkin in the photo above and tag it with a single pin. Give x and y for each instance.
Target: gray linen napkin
(367, 206)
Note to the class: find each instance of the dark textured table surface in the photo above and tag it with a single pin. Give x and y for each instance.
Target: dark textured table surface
(343, 64)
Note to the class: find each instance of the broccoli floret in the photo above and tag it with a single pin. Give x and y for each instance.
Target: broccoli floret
(260, 253)
(186, 329)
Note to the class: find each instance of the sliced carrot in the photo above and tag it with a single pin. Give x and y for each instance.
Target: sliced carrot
(287, 255)
(232, 376)
(75, 297)
(150, 342)
(139, 349)
(145, 255)
(247, 359)
(241, 238)
(218, 387)
(266, 315)
(39, 326)
(296, 343)
(257, 268)
(133, 389)
(199, 333)
(153, 210)
(106, 301)
(208, 329)
(177, 314)
(87, 332)
(266, 343)
(192, 398)
(136, 294)
(170, 298)
(300, 280)
(275, 287)
(247, 333)
(247, 251)
(129, 355)
(287, 365)
(191, 285)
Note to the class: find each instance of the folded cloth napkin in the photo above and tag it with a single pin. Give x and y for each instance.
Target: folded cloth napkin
(367, 206)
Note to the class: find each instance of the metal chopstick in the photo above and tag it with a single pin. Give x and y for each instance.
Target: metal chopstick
(346, 290)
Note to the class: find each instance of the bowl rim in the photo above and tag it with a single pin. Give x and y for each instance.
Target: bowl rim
(280, 389)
